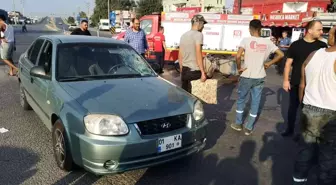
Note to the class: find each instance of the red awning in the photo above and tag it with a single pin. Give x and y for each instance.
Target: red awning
(283, 19)
(281, 24)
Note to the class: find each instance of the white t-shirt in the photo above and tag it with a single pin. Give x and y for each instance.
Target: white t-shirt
(257, 51)
(320, 87)
(9, 33)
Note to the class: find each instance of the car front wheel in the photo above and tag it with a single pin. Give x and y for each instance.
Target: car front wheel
(61, 147)
(23, 100)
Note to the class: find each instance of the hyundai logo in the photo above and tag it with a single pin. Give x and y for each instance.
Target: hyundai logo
(165, 125)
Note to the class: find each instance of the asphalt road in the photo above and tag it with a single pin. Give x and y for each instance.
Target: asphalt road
(230, 158)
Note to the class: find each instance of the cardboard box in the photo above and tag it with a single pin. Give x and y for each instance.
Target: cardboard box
(207, 91)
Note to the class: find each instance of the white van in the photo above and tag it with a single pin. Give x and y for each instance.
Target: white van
(104, 25)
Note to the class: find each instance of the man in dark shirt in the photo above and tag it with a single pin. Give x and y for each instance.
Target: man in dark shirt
(83, 30)
(296, 55)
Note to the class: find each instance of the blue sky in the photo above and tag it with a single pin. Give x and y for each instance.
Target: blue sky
(46, 7)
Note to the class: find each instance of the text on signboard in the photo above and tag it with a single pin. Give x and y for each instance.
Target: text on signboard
(285, 17)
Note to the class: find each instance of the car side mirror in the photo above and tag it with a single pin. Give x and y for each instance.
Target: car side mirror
(39, 72)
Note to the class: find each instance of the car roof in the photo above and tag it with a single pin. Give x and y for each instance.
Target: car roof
(82, 39)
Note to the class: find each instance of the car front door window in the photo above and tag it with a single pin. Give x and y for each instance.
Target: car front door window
(35, 51)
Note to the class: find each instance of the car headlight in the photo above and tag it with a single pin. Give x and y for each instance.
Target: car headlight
(198, 113)
(108, 125)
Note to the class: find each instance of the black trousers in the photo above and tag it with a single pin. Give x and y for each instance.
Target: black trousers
(187, 76)
(160, 59)
(317, 146)
(294, 104)
(281, 64)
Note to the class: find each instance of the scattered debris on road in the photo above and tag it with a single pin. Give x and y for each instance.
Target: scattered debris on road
(3, 130)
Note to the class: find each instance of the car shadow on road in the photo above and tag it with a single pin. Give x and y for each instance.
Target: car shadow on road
(202, 169)
(80, 177)
(17, 165)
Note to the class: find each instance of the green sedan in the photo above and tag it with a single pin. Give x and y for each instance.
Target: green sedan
(107, 109)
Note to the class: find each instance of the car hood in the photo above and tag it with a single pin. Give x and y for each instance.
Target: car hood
(134, 100)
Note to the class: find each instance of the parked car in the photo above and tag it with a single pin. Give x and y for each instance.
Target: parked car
(72, 27)
(106, 108)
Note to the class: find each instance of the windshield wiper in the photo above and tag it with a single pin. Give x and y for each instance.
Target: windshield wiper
(77, 78)
(124, 76)
(101, 77)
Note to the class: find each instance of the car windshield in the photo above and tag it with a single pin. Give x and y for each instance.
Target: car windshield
(89, 61)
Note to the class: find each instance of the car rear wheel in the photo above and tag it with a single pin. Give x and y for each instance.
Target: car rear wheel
(61, 147)
(23, 100)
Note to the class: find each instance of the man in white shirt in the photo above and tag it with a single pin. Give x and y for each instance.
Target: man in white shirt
(257, 51)
(7, 44)
(318, 117)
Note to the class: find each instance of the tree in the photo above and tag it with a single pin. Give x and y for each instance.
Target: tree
(82, 14)
(100, 10)
(146, 7)
(71, 20)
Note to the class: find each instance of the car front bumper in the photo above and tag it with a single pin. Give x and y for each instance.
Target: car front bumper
(103, 157)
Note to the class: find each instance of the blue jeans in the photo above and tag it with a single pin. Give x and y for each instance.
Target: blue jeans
(247, 85)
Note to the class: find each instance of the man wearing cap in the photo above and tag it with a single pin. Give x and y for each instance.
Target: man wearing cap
(190, 53)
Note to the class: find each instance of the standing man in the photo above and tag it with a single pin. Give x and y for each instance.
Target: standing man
(190, 53)
(136, 37)
(7, 45)
(82, 30)
(160, 47)
(257, 51)
(284, 44)
(318, 90)
(296, 55)
(24, 26)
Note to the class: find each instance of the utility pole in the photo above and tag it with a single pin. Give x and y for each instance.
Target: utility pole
(108, 9)
(202, 5)
(22, 3)
(88, 9)
(14, 11)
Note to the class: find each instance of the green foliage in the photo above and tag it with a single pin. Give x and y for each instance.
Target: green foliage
(71, 20)
(146, 7)
(82, 14)
(100, 11)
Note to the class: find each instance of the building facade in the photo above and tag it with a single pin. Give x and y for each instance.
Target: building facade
(208, 5)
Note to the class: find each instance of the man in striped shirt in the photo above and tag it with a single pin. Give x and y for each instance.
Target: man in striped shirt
(136, 37)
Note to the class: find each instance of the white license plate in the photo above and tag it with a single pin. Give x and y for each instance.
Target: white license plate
(169, 143)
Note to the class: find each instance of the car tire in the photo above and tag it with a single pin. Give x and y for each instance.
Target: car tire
(23, 99)
(61, 148)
